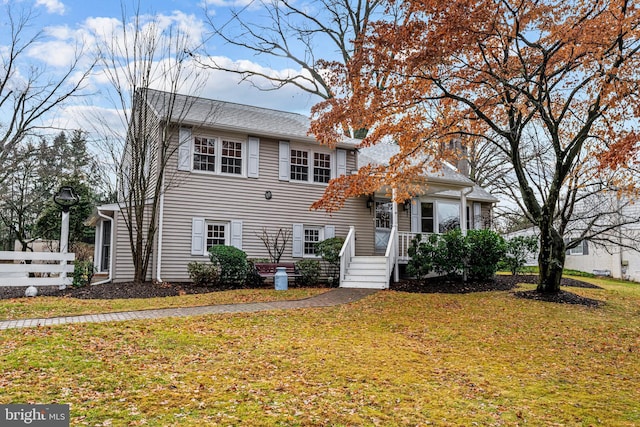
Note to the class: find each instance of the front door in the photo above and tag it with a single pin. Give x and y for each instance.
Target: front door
(384, 221)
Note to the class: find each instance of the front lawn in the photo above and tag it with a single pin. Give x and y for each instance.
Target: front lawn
(394, 358)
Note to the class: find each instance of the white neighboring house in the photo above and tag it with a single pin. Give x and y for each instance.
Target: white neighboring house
(614, 258)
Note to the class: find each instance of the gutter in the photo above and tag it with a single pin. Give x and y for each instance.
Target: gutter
(110, 277)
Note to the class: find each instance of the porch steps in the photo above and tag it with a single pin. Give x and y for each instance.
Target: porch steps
(366, 272)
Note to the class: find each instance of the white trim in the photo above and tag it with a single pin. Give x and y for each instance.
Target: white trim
(111, 246)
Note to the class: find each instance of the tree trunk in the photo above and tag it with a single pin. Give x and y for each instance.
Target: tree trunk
(550, 260)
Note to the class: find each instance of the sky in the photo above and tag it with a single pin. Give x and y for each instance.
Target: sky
(65, 24)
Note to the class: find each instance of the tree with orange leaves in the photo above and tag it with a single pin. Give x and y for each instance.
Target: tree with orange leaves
(563, 74)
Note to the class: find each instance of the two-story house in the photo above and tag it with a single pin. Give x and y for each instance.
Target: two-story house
(244, 169)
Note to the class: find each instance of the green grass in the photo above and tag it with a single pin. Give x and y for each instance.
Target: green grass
(24, 308)
(391, 359)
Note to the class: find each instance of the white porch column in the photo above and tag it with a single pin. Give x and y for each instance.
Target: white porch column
(463, 214)
(394, 229)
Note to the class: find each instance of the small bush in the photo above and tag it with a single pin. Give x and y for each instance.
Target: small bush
(203, 274)
(422, 253)
(516, 251)
(485, 249)
(82, 273)
(232, 264)
(329, 250)
(309, 269)
(451, 253)
(253, 275)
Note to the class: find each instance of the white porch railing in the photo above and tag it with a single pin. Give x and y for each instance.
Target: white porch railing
(347, 252)
(14, 274)
(390, 253)
(404, 241)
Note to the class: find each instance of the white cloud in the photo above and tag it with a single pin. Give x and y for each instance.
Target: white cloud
(229, 3)
(52, 6)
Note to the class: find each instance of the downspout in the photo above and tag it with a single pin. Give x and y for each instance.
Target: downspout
(160, 224)
(463, 208)
(109, 278)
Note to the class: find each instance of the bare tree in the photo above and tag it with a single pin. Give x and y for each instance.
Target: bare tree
(296, 33)
(275, 242)
(145, 52)
(28, 90)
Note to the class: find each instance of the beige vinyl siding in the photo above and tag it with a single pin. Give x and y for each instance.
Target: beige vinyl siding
(123, 262)
(225, 198)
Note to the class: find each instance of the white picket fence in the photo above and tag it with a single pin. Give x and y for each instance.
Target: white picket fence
(48, 274)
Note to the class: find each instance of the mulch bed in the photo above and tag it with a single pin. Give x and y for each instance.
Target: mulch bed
(500, 283)
(435, 285)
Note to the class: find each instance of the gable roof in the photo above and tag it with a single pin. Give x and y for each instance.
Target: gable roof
(380, 154)
(230, 116)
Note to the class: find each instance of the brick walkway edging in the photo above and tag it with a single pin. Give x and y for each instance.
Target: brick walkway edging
(327, 299)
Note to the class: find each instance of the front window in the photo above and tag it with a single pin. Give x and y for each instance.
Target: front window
(204, 158)
(299, 165)
(231, 157)
(427, 217)
(321, 167)
(448, 216)
(311, 237)
(216, 234)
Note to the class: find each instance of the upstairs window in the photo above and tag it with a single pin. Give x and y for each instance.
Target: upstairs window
(321, 167)
(299, 165)
(218, 156)
(204, 154)
(231, 157)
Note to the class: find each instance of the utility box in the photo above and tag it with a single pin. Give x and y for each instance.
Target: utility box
(281, 279)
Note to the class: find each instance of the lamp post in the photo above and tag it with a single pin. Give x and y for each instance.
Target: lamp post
(65, 198)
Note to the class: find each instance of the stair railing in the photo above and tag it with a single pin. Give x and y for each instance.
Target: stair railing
(390, 254)
(347, 252)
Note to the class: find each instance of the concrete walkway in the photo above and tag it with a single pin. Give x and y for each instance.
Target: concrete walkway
(333, 297)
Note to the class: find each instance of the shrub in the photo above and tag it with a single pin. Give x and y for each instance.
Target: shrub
(329, 250)
(253, 275)
(232, 264)
(422, 253)
(82, 273)
(451, 253)
(203, 274)
(516, 251)
(309, 270)
(485, 249)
